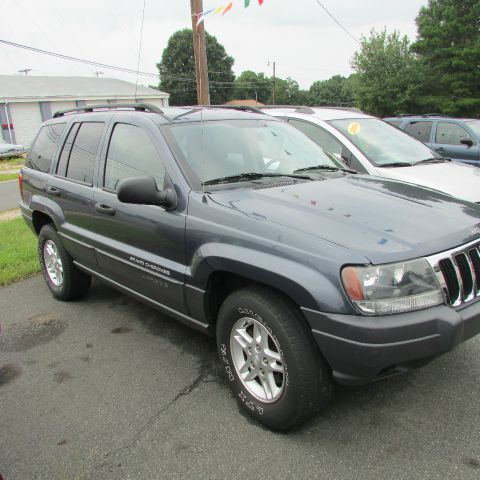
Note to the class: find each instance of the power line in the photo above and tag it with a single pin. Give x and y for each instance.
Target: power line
(81, 60)
(337, 22)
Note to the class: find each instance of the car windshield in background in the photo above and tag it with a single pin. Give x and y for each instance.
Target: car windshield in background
(381, 143)
(475, 126)
(247, 149)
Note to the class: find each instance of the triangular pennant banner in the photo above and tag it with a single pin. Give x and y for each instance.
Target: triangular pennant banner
(229, 7)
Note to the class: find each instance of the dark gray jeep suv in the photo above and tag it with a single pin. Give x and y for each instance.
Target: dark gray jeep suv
(238, 225)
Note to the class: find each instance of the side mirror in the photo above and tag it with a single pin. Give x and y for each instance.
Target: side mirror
(466, 141)
(143, 191)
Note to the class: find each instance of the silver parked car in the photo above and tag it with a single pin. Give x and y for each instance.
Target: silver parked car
(8, 150)
(371, 146)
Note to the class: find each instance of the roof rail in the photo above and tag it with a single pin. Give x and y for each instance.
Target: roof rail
(306, 109)
(433, 115)
(266, 107)
(242, 108)
(139, 107)
(346, 109)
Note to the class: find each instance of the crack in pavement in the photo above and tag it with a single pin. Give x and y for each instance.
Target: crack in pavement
(205, 369)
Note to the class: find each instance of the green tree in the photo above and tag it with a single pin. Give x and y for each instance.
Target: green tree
(177, 70)
(388, 77)
(335, 91)
(288, 92)
(449, 49)
(251, 85)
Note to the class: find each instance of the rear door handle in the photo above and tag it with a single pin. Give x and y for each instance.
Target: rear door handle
(106, 209)
(53, 191)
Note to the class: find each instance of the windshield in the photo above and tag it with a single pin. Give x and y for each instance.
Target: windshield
(475, 126)
(381, 143)
(217, 150)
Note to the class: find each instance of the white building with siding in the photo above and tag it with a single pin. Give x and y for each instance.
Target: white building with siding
(27, 101)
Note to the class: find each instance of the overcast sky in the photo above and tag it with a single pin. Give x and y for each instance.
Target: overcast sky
(297, 34)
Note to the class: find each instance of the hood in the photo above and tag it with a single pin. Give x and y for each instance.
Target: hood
(381, 219)
(456, 179)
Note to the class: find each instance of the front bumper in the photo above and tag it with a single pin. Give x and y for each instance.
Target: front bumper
(361, 349)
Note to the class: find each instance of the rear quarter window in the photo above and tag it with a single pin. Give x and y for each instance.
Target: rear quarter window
(45, 147)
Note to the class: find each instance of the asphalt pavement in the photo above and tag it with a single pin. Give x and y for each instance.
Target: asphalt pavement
(106, 388)
(9, 195)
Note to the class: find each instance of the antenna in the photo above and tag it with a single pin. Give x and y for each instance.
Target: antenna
(203, 158)
(140, 49)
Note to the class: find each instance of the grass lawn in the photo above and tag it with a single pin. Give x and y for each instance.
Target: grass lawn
(5, 177)
(11, 163)
(18, 251)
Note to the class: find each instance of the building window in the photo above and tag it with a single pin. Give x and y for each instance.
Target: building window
(45, 110)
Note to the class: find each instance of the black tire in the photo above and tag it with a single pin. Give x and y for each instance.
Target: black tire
(307, 381)
(75, 283)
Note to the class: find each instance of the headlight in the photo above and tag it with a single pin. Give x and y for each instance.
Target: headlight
(393, 288)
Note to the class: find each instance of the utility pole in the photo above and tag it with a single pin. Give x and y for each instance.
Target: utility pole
(25, 71)
(273, 83)
(200, 50)
(98, 73)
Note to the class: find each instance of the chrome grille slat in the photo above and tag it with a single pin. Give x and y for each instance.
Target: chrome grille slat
(475, 259)
(465, 275)
(458, 272)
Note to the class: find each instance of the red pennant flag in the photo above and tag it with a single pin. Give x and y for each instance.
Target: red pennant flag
(260, 2)
(229, 7)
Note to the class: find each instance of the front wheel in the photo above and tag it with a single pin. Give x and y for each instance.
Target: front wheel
(64, 280)
(272, 364)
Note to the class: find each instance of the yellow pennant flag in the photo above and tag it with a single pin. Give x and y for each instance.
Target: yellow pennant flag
(218, 10)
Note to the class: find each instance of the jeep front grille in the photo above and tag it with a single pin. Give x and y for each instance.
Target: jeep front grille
(458, 272)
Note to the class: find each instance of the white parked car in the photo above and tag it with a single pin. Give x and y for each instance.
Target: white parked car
(8, 150)
(371, 146)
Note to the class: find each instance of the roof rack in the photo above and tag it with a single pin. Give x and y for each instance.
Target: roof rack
(138, 107)
(434, 115)
(309, 110)
(346, 109)
(424, 115)
(266, 107)
(242, 108)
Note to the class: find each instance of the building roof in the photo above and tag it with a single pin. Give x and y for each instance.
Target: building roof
(246, 103)
(23, 88)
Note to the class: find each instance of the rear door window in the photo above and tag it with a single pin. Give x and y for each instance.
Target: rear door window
(45, 147)
(450, 133)
(84, 151)
(67, 148)
(420, 130)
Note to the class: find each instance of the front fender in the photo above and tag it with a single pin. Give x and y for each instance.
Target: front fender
(306, 286)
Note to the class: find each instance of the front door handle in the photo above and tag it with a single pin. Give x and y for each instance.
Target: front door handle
(440, 149)
(106, 209)
(53, 191)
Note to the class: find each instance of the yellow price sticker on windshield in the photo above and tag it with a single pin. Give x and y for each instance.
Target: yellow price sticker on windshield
(354, 128)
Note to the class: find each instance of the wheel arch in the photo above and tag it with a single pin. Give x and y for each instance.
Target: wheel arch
(220, 270)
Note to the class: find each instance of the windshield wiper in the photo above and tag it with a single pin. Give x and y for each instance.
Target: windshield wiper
(323, 167)
(250, 176)
(434, 160)
(396, 164)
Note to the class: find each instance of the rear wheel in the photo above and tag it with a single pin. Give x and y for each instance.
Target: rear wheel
(64, 280)
(273, 366)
